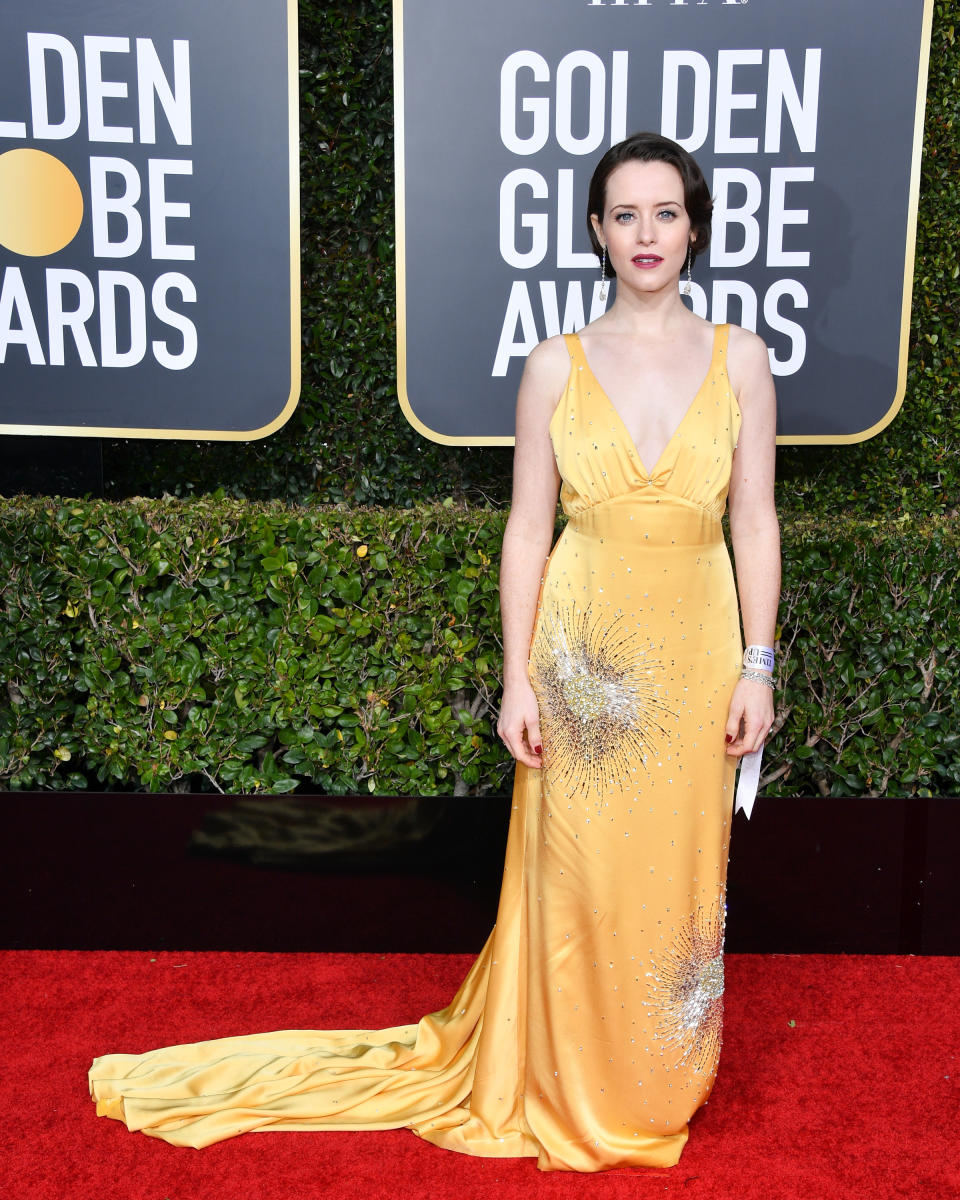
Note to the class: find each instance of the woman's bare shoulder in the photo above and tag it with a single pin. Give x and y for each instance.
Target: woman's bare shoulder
(748, 361)
(547, 365)
(747, 347)
(549, 354)
(545, 375)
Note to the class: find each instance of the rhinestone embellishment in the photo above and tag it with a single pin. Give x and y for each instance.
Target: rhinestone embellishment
(600, 685)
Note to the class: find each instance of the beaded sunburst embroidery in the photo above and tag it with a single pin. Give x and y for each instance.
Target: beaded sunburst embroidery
(686, 991)
(599, 685)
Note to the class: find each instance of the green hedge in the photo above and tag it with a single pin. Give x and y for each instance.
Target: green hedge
(348, 440)
(226, 645)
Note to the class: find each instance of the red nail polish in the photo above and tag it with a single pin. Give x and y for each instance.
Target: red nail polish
(538, 749)
(729, 737)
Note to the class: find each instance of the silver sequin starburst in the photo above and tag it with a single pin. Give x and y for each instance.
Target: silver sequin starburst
(686, 991)
(600, 689)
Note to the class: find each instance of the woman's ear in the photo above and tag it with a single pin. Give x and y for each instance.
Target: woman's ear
(597, 228)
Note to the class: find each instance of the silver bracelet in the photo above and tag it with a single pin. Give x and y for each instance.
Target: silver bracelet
(758, 677)
(759, 656)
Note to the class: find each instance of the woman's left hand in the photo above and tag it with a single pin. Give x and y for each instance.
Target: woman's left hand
(750, 717)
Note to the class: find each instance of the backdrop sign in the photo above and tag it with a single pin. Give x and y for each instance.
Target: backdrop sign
(806, 116)
(149, 250)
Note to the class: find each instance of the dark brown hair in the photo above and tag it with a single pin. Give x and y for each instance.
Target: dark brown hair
(653, 147)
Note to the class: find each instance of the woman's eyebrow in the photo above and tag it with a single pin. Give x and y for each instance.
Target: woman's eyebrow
(656, 204)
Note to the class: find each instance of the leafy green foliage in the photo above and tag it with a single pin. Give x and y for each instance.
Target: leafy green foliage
(217, 644)
(227, 645)
(869, 681)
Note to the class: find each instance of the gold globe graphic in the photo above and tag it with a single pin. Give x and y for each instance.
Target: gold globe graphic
(41, 205)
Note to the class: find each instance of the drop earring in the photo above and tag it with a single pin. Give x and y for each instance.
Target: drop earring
(604, 282)
(687, 288)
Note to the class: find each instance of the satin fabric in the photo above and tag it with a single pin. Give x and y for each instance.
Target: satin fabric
(588, 1031)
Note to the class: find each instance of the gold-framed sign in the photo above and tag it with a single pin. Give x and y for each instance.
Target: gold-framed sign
(805, 115)
(149, 227)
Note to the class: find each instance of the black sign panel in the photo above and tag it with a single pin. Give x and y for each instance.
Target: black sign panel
(149, 250)
(806, 116)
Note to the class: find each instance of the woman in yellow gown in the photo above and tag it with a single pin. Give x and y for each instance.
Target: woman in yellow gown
(588, 1031)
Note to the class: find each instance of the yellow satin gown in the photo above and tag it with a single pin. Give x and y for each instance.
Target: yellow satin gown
(588, 1030)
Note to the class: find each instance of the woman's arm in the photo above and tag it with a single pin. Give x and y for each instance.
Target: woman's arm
(754, 531)
(526, 542)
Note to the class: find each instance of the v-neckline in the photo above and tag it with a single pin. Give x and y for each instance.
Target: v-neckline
(628, 437)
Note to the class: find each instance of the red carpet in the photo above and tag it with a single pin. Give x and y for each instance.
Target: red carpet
(840, 1078)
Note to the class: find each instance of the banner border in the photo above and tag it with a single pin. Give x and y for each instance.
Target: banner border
(231, 435)
(913, 205)
(799, 439)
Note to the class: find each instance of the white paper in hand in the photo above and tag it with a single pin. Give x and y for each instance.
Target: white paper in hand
(748, 782)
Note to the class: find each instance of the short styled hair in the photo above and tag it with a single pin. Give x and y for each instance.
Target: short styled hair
(653, 147)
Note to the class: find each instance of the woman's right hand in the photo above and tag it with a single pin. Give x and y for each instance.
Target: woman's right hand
(519, 725)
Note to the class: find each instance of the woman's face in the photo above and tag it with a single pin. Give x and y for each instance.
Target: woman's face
(645, 228)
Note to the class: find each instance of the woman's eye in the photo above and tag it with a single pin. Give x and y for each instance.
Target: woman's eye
(624, 217)
(667, 212)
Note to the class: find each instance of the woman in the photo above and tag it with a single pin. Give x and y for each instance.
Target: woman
(630, 690)
(587, 1032)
